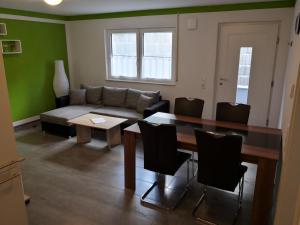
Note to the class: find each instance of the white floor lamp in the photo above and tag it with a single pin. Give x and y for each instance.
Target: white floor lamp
(60, 81)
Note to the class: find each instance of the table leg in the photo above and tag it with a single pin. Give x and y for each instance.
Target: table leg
(263, 193)
(129, 158)
(83, 134)
(113, 136)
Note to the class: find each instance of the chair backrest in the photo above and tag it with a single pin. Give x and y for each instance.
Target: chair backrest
(237, 113)
(160, 147)
(219, 159)
(189, 107)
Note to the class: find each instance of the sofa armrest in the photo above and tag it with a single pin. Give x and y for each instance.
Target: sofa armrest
(62, 101)
(161, 106)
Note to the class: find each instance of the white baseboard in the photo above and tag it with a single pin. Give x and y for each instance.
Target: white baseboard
(27, 120)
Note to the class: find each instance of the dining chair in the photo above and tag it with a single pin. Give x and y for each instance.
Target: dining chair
(161, 156)
(189, 107)
(237, 113)
(219, 165)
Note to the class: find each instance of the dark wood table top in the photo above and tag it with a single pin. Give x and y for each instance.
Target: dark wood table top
(258, 142)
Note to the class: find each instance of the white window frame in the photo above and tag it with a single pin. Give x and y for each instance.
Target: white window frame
(108, 50)
(140, 50)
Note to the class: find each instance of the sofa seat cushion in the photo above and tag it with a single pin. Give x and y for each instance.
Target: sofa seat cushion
(126, 113)
(62, 115)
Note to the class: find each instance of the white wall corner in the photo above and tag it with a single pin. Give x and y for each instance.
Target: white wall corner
(69, 53)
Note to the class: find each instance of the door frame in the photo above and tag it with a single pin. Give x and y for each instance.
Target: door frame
(273, 66)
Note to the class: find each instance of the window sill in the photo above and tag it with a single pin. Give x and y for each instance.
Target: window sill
(168, 83)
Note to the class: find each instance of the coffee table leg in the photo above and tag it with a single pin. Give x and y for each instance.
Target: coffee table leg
(113, 136)
(83, 134)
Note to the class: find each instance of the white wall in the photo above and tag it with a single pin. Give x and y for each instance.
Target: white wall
(291, 75)
(197, 51)
(288, 204)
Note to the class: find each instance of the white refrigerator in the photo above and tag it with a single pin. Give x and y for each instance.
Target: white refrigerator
(12, 206)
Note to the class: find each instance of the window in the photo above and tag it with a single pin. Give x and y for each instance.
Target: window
(143, 55)
(244, 75)
(157, 55)
(123, 55)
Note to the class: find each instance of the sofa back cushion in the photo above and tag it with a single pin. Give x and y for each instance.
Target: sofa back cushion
(78, 97)
(113, 96)
(93, 94)
(133, 96)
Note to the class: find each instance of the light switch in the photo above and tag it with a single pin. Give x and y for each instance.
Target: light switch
(192, 24)
(203, 83)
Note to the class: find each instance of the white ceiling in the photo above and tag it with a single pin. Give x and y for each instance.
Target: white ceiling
(77, 7)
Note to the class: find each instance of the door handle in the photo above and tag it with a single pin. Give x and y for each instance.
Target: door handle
(223, 79)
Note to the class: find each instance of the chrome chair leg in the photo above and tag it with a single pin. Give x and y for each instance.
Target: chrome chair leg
(186, 187)
(242, 191)
(193, 165)
(202, 198)
(157, 204)
(148, 191)
(240, 199)
(193, 160)
(188, 174)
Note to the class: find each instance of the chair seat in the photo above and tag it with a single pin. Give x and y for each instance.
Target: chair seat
(181, 158)
(232, 185)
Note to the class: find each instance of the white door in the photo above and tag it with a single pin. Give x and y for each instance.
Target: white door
(245, 65)
(12, 206)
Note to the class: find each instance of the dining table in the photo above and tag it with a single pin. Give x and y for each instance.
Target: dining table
(261, 146)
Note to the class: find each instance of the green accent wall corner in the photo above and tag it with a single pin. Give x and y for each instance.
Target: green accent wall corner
(31, 14)
(30, 74)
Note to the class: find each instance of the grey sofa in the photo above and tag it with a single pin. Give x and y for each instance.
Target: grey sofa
(126, 103)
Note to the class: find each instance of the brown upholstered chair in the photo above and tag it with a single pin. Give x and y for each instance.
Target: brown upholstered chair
(161, 155)
(219, 165)
(189, 106)
(237, 113)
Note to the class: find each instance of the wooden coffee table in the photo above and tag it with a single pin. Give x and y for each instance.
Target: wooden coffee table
(111, 126)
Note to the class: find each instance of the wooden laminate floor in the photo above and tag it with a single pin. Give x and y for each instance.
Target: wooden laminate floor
(73, 184)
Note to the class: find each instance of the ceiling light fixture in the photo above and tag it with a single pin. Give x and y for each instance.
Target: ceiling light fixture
(53, 2)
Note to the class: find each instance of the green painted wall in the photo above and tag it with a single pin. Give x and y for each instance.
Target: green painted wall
(29, 75)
